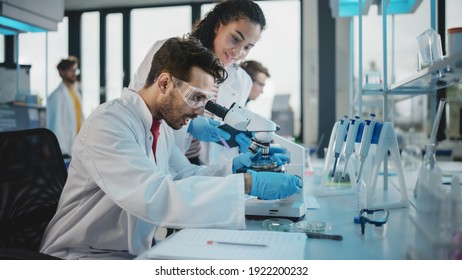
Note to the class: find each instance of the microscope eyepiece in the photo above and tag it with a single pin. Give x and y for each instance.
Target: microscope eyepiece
(216, 109)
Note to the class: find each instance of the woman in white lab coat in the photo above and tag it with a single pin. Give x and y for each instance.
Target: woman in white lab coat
(230, 30)
(121, 186)
(64, 106)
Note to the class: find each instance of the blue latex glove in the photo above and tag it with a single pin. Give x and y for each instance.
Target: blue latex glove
(276, 154)
(274, 185)
(206, 130)
(244, 161)
(243, 141)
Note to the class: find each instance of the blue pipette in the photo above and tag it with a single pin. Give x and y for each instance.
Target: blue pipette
(341, 133)
(350, 141)
(365, 143)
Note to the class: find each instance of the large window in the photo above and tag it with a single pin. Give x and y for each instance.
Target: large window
(57, 50)
(90, 84)
(114, 56)
(153, 24)
(32, 52)
(281, 57)
(44, 77)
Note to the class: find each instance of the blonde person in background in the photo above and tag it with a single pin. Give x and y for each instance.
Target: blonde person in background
(230, 30)
(259, 74)
(64, 106)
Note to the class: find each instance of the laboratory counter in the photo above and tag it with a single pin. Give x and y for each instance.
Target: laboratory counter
(393, 241)
(338, 213)
(389, 242)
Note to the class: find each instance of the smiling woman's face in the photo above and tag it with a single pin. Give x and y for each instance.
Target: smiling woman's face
(234, 40)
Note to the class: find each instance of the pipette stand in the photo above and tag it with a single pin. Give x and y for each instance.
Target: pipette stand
(387, 143)
(330, 187)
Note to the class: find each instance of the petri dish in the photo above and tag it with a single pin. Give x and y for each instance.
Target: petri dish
(312, 226)
(277, 224)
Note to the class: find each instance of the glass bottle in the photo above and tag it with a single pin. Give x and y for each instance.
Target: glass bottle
(428, 169)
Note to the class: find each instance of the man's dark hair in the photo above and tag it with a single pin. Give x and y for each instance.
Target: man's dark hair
(178, 55)
(225, 12)
(67, 63)
(253, 67)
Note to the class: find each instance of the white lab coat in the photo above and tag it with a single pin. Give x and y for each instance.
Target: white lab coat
(61, 120)
(236, 88)
(116, 194)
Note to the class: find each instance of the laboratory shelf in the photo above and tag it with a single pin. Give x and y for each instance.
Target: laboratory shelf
(439, 75)
(400, 94)
(372, 91)
(400, 91)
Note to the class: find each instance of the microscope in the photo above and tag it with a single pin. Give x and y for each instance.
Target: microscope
(263, 136)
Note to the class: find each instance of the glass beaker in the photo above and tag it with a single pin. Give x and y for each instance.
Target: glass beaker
(430, 46)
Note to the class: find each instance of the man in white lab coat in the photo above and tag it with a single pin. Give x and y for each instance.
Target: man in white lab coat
(64, 106)
(126, 178)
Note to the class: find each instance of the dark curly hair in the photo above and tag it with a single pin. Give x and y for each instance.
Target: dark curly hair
(225, 12)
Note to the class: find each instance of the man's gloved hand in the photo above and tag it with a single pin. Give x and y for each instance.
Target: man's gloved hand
(206, 130)
(243, 141)
(244, 161)
(276, 154)
(274, 185)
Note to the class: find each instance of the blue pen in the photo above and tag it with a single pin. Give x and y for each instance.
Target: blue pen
(224, 143)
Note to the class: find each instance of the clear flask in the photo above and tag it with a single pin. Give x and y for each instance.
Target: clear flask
(428, 170)
(428, 206)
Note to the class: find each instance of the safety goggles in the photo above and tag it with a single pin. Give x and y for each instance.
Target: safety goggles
(193, 96)
(379, 217)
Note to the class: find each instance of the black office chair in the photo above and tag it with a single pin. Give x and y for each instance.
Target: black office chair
(32, 176)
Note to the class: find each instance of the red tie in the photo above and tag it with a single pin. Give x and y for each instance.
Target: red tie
(155, 132)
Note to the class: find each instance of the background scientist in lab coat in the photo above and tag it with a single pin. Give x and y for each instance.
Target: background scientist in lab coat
(126, 178)
(259, 75)
(64, 106)
(231, 29)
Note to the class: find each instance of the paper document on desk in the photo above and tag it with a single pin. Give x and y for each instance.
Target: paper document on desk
(222, 244)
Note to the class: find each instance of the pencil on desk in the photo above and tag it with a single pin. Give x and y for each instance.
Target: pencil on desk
(324, 236)
(211, 242)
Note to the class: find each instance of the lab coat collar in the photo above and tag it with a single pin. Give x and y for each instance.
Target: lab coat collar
(145, 115)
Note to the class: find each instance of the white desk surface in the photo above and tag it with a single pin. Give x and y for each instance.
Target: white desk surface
(338, 212)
